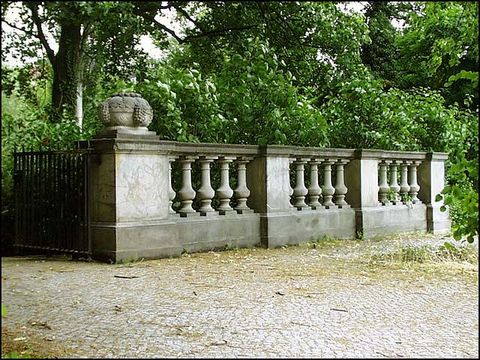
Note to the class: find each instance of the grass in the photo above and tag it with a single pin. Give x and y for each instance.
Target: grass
(21, 345)
(425, 254)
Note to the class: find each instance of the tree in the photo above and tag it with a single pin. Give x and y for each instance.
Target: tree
(439, 49)
(380, 54)
(78, 29)
(317, 42)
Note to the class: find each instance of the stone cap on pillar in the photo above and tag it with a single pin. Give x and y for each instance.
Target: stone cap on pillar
(126, 115)
(437, 156)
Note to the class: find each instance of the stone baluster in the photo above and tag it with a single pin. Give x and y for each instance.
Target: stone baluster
(314, 190)
(241, 192)
(327, 189)
(224, 192)
(383, 186)
(404, 187)
(412, 181)
(206, 192)
(340, 188)
(171, 191)
(394, 187)
(186, 193)
(300, 191)
(290, 189)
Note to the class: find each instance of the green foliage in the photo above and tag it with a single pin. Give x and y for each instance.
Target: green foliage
(250, 100)
(380, 54)
(315, 41)
(27, 126)
(363, 115)
(31, 82)
(461, 192)
(439, 49)
(462, 197)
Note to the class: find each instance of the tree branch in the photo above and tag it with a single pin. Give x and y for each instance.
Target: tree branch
(170, 31)
(218, 32)
(186, 15)
(151, 18)
(18, 28)
(41, 36)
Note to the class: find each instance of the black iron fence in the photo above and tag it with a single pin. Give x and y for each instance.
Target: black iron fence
(51, 201)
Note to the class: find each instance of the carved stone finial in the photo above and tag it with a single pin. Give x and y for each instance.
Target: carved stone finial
(126, 110)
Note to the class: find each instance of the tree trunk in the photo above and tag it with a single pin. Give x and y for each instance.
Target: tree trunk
(79, 105)
(66, 72)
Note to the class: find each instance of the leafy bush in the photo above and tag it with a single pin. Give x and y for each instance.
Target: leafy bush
(250, 101)
(365, 115)
(461, 192)
(26, 125)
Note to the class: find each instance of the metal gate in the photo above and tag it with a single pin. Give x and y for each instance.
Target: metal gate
(51, 201)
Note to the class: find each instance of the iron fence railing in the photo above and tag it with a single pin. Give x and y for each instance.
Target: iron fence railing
(51, 201)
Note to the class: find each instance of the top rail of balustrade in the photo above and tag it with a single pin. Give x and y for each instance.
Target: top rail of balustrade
(399, 155)
(295, 151)
(205, 149)
(174, 147)
(300, 151)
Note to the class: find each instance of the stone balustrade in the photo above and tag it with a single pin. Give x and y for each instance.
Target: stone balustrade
(228, 200)
(151, 198)
(399, 166)
(325, 167)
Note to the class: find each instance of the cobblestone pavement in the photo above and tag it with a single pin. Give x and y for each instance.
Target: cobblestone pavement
(294, 302)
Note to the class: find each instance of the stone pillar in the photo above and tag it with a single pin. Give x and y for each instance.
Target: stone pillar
(394, 187)
(186, 193)
(300, 191)
(171, 191)
(431, 178)
(361, 179)
(242, 192)
(340, 188)
(224, 192)
(206, 192)
(268, 179)
(383, 186)
(404, 187)
(327, 189)
(129, 181)
(314, 190)
(412, 181)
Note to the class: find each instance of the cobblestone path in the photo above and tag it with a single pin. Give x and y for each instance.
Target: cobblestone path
(294, 302)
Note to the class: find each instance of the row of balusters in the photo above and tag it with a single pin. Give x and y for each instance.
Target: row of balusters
(302, 197)
(205, 193)
(316, 196)
(389, 190)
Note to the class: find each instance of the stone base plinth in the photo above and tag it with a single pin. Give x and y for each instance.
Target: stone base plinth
(295, 227)
(386, 220)
(438, 222)
(172, 237)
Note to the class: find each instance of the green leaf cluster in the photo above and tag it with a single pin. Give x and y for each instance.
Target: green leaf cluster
(251, 100)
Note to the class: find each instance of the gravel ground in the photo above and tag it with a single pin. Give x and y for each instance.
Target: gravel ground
(304, 301)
